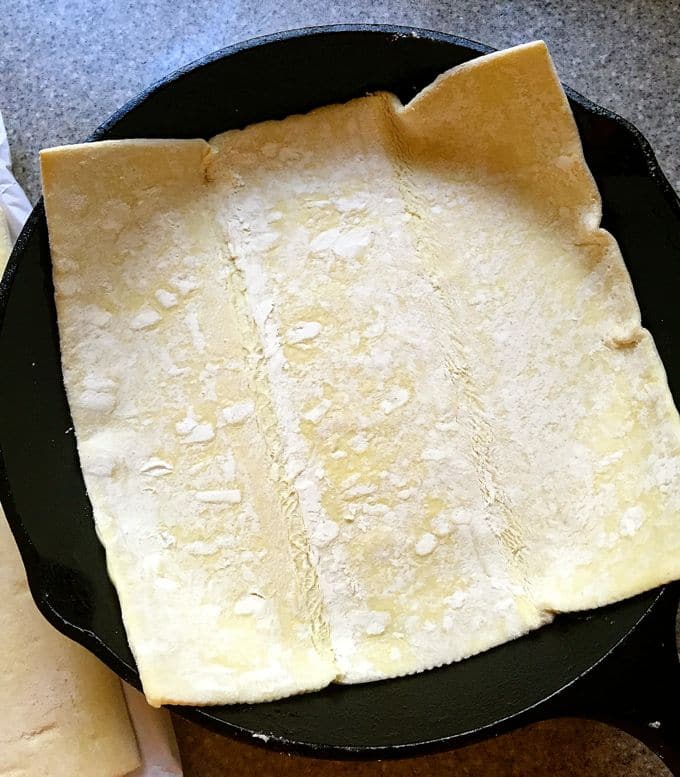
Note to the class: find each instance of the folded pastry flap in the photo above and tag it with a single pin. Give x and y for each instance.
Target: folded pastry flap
(586, 433)
(215, 606)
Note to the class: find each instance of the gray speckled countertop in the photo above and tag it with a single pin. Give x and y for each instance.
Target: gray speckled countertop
(67, 65)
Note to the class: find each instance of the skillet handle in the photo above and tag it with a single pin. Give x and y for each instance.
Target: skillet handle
(637, 687)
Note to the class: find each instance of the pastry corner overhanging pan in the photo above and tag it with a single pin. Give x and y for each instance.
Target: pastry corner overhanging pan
(617, 664)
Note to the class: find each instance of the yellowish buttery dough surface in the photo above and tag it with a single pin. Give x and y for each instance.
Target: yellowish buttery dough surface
(361, 392)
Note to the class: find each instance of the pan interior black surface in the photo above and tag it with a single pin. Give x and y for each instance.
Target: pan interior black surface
(42, 487)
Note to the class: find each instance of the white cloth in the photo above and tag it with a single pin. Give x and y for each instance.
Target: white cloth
(153, 728)
(13, 201)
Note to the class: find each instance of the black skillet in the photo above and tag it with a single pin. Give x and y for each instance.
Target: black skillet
(617, 664)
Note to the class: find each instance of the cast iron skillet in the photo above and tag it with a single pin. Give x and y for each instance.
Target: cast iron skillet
(618, 663)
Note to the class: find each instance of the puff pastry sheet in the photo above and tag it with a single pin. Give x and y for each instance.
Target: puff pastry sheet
(360, 392)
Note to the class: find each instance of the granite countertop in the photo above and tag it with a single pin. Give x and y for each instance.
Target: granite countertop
(67, 66)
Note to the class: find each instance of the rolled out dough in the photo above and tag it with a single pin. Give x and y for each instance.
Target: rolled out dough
(360, 392)
(5, 242)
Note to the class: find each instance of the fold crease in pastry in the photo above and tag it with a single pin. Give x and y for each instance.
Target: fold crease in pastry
(361, 392)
